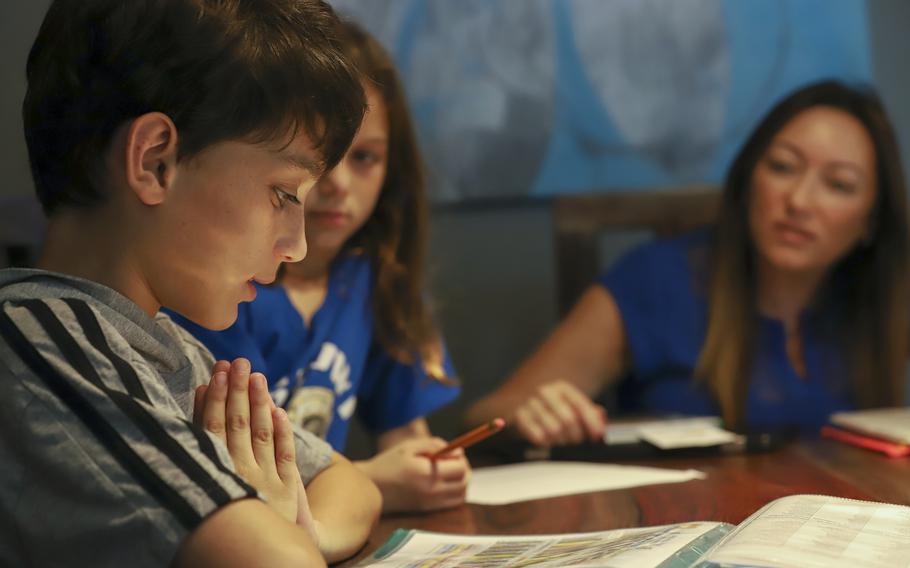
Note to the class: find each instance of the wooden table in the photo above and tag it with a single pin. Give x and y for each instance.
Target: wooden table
(735, 486)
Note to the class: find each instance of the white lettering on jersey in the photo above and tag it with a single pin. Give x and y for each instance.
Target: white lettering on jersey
(346, 408)
(330, 357)
(327, 354)
(341, 374)
(281, 391)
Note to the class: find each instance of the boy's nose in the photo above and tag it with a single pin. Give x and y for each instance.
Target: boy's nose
(291, 246)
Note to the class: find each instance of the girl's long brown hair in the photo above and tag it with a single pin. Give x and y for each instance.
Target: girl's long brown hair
(395, 235)
(871, 292)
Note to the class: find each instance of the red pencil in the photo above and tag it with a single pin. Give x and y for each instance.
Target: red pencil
(471, 437)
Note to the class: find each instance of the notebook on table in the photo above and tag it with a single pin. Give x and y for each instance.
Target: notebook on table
(885, 430)
(892, 424)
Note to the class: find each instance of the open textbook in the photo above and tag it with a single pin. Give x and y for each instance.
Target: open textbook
(799, 531)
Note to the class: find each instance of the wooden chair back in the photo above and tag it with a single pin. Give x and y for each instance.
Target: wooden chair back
(580, 220)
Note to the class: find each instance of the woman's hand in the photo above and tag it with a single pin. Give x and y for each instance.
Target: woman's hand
(411, 481)
(558, 413)
(548, 399)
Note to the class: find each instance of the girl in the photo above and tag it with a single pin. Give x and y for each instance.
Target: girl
(347, 330)
(793, 307)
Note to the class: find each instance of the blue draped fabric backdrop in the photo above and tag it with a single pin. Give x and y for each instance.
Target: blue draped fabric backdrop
(546, 97)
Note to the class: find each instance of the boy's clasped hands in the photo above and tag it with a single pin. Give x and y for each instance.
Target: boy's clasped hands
(237, 408)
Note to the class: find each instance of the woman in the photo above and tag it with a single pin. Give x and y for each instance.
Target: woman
(794, 306)
(348, 330)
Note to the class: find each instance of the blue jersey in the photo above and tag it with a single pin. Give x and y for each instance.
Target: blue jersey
(659, 289)
(324, 373)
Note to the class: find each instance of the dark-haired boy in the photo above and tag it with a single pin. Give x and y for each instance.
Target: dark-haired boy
(172, 143)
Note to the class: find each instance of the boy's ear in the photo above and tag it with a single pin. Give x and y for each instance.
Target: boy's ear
(151, 156)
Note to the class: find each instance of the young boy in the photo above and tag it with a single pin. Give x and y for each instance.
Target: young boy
(172, 143)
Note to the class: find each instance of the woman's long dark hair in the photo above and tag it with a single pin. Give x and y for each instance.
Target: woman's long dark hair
(873, 299)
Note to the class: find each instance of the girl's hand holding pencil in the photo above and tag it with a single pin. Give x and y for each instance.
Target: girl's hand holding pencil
(411, 480)
(425, 474)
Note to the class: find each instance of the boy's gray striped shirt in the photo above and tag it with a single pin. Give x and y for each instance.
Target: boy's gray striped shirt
(101, 463)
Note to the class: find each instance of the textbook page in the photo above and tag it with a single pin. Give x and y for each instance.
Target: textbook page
(499, 485)
(652, 547)
(815, 531)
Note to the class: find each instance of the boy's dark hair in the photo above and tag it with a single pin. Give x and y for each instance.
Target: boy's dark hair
(254, 70)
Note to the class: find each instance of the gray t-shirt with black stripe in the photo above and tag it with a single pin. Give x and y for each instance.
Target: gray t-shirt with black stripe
(99, 462)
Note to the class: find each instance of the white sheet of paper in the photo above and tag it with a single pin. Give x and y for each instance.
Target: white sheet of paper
(671, 436)
(687, 432)
(504, 484)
